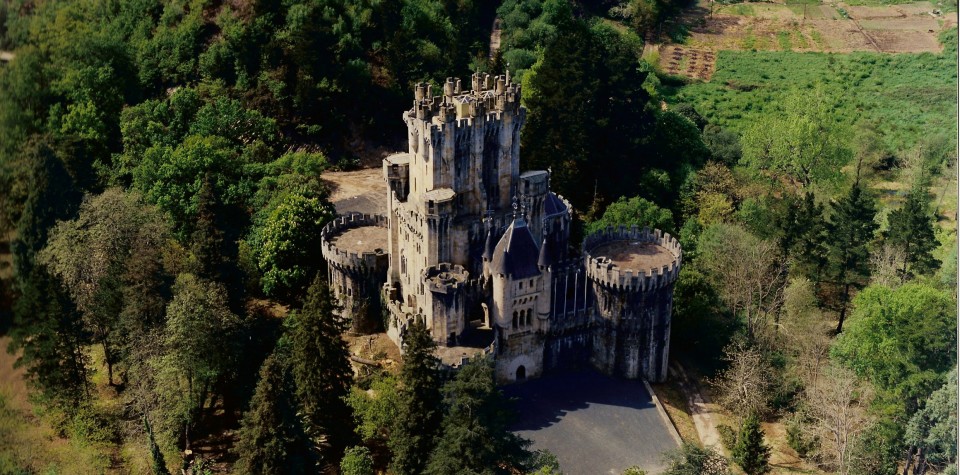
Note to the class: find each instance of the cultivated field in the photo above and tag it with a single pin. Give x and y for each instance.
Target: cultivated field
(837, 28)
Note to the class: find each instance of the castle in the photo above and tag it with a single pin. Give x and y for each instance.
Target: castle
(480, 252)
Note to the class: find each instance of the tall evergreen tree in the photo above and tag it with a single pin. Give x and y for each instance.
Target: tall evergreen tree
(321, 370)
(804, 235)
(851, 227)
(475, 438)
(418, 423)
(272, 438)
(750, 453)
(911, 229)
(49, 331)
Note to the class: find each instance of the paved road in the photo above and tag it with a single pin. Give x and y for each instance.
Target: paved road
(593, 423)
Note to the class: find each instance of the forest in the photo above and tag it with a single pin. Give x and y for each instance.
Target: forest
(163, 293)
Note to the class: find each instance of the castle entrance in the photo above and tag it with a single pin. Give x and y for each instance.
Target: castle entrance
(521, 373)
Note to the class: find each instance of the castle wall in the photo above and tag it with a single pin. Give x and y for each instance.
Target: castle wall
(356, 277)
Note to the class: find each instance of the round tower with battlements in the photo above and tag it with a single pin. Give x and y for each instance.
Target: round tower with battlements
(355, 247)
(632, 272)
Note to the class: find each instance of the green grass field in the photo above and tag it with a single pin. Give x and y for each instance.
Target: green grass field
(908, 96)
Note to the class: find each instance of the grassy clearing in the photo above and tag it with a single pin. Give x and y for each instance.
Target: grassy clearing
(908, 96)
(675, 403)
(28, 443)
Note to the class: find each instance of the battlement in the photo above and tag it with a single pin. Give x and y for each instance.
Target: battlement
(632, 259)
(489, 95)
(354, 242)
(446, 278)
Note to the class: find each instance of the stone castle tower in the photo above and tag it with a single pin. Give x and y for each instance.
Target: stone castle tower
(480, 251)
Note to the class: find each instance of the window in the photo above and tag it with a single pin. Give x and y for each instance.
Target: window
(521, 285)
(514, 319)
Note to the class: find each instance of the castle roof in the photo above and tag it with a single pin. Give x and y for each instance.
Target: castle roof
(553, 205)
(517, 253)
(488, 246)
(547, 254)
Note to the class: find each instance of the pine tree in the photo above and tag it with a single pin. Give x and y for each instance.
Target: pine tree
(804, 235)
(322, 371)
(750, 453)
(418, 423)
(475, 438)
(272, 438)
(851, 227)
(911, 229)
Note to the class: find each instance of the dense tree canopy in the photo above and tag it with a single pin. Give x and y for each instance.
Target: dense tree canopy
(902, 340)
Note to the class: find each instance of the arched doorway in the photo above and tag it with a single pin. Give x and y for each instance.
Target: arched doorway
(521, 373)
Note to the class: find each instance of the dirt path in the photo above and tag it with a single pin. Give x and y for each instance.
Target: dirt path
(495, 38)
(699, 410)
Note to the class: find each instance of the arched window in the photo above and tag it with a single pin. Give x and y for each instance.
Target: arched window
(528, 319)
(514, 319)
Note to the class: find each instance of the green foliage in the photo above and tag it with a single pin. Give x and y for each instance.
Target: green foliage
(418, 422)
(750, 453)
(157, 463)
(635, 211)
(357, 461)
(376, 413)
(728, 436)
(199, 353)
(911, 229)
(285, 240)
(906, 95)
(271, 437)
(804, 236)
(321, 369)
(701, 324)
(901, 340)
(475, 436)
(49, 332)
(933, 428)
(691, 459)
(851, 228)
(107, 259)
(800, 145)
(724, 144)
(634, 470)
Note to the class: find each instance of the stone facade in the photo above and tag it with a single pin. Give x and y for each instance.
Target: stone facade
(480, 251)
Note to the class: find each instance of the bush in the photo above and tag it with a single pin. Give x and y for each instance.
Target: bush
(728, 437)
(357, 461)
(797, 440)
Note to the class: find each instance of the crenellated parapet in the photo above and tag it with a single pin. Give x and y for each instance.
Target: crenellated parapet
(632, 259)
(488, 95)
(358, 257)
(447, 278)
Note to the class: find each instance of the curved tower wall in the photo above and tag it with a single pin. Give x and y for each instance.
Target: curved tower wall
(632, 338)
(356, 278)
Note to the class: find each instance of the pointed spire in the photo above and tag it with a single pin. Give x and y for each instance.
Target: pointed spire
(546, 254)
(489, 245)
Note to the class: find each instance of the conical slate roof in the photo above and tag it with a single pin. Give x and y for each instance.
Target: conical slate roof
(547, 254)
(553, 205)
(517, 253)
